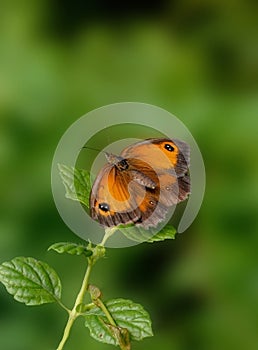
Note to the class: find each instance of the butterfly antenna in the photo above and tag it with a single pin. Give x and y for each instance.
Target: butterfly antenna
(94, 149)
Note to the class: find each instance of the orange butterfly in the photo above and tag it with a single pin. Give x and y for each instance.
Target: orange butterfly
(141, 184)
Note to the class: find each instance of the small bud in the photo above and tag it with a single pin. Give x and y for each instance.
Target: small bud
(94, 291)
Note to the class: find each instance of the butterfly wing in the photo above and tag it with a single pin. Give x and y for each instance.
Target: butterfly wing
(113, 199)
(170, 161)
(130, 196)
(156, 178)
(163, 154)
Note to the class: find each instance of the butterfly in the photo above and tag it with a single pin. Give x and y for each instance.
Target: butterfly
(141, 184)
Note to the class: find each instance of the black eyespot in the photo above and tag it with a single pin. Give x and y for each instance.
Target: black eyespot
(168, 147)
(104, 207)
(152, 203)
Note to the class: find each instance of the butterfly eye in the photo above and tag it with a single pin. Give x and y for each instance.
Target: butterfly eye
(104, 207)
(168, 147)
(122, 164)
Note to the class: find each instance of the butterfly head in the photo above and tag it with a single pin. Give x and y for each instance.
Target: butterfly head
(119, 162)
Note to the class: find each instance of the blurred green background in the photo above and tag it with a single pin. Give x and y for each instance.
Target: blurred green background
(197, 59)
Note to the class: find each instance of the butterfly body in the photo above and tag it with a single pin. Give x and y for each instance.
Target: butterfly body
(141, 184)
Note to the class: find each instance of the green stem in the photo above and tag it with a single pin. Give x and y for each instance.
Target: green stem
(62, 305)
(108, 233)
(73, 314)
(102, 306)
(66, 332)
(121, 335)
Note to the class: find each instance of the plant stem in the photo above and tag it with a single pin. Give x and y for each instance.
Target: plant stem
(102, 306)
(108, 233)
(63, 306)
(66, 332)
(84, 286)
(73, 314)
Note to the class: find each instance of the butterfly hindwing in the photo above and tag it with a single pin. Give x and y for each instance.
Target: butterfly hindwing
(155, 178)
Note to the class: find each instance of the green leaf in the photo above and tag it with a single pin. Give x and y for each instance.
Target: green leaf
(126, 314)
(30, 281)
(135, 233)
(168, 232)
(70, 248)
(77, 183)
(138, 234)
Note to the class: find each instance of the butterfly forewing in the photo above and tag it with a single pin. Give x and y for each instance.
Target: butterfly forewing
(155, 178)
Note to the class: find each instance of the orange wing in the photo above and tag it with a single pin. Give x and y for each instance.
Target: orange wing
(117, 198)
(163, 154)
(156, 178)
(170, 160)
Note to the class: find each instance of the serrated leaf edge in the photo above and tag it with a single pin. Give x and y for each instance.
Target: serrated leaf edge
(8, 285)
(60, 247)
(123, 323)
